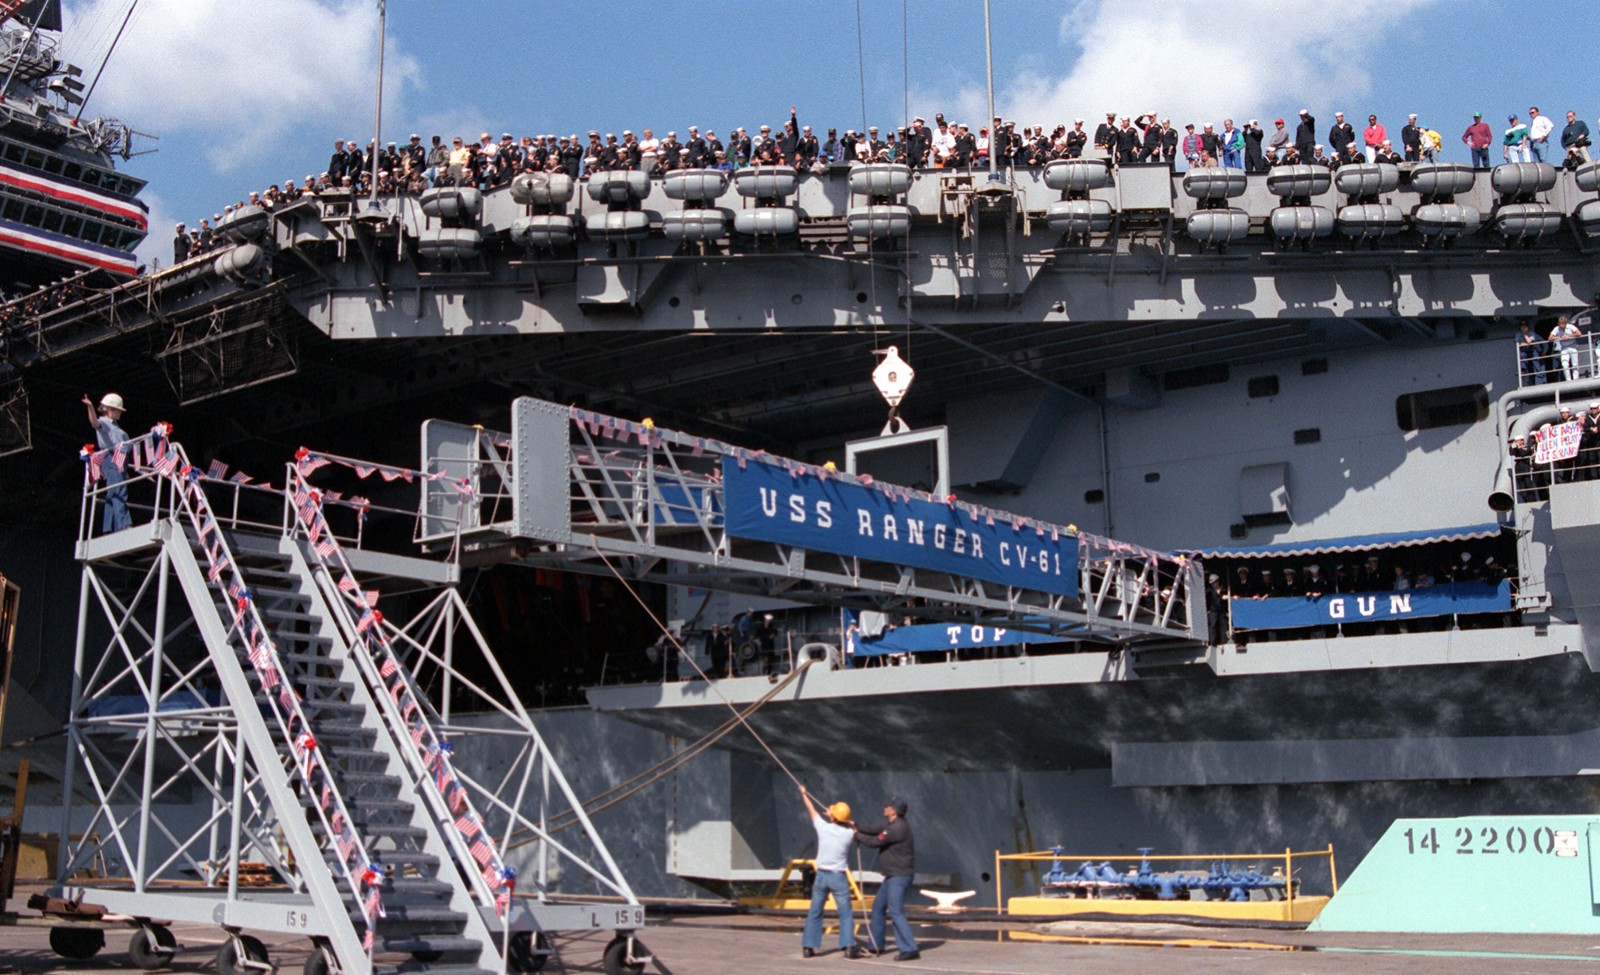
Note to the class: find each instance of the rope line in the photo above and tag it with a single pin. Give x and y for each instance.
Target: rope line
(626, 584)
(661, 769)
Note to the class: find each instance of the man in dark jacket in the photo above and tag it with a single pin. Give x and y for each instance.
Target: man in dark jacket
(897, 861)
(789, 141)
(1254, 160)
(339, 162)
(1342, 134)
(1305, 134)
(1411, 139)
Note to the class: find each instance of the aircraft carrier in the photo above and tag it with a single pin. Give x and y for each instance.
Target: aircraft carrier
(1276, 370)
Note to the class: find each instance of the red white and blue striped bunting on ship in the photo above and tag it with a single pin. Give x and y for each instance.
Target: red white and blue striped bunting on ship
(110, 204)
(64, 248)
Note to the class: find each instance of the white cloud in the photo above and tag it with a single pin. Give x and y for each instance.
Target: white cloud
(1204, 61)
(246, 74)
(157, 247)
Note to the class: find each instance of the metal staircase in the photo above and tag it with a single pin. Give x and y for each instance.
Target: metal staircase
(286, 704)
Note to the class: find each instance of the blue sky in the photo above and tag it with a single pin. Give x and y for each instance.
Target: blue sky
(242, 95)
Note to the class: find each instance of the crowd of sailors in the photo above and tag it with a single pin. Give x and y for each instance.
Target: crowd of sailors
(760, 644)
(487, 162)
(28, 307)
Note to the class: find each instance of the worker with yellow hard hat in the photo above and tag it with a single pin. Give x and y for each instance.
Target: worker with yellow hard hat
(835, 837)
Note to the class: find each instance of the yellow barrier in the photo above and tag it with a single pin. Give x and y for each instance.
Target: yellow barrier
(1292, 908)
(781, 901)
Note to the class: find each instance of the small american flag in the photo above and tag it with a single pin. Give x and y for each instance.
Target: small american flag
(118, 453)
(372, 597)
(502, 900)
(327, 796)
(217, 569)
(327, 548)
(467, 826)
(217, 470)
(347, 584)
(240, 477)
(391, 475)
(455, 797)
(287, 697)
(311, 462)
(388, 667)
(481, 851)
(166, 465)
(374, 911)
(363, 471)
(418, 732)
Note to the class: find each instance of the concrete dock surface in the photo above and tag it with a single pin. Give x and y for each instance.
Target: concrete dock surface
(701, 945)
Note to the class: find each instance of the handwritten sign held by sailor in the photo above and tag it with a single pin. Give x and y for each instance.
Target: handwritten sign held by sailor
(1557, 442)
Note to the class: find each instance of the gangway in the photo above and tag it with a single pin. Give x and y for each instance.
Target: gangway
(267, 753)
(587, 492)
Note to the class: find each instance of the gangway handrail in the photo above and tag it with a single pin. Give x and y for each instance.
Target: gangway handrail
(391, 682)
(168, 463)
(653, 500)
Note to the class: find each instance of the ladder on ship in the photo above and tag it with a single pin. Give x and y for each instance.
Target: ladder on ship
(587, 492)
(267, 752)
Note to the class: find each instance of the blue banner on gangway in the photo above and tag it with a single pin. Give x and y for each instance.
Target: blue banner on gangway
(1288, 612)
(928, 637)
(770, 503)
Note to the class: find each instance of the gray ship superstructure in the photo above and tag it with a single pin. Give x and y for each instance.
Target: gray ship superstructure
(64, 207)
(1211, 363)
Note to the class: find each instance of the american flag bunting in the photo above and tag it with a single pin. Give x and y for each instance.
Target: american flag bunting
(481, 851)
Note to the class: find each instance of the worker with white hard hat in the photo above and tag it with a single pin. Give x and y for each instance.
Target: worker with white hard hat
(107, 435)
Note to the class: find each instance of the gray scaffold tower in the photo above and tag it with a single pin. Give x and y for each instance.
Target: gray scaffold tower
(265, 751)
(252, 744)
